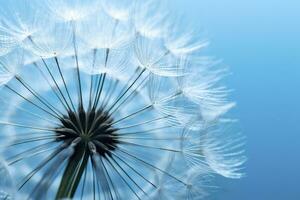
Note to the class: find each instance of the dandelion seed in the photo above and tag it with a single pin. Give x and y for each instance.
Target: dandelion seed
(101, 100)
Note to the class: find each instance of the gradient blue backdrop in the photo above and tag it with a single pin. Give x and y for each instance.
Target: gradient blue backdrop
(260, 41)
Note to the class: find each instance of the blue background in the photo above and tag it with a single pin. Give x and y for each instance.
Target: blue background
(260, 41)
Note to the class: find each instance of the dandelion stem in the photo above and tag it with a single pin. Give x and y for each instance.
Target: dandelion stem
(73, 172)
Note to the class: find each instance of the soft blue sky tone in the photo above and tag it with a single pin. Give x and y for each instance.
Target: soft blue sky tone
(260, 41)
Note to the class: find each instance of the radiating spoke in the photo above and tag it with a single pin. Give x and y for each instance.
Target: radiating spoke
(54, 89)
(31, 102)
(77, 64)
(128, 88)
(150, 147)
(132, 95)
(40, 166)
(65, 85)
(28, 112)
(101, 82)
(132, 114)
(146, 131)
(142, 123)
(36, 150)
(150, 165)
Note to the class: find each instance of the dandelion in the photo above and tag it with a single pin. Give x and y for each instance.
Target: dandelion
(104, 100)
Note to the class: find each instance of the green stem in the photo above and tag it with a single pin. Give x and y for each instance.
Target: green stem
(77, 163)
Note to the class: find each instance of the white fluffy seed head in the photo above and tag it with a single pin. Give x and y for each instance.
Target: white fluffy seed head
(174, 97)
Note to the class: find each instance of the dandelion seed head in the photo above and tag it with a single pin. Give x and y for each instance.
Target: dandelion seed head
(103, 100)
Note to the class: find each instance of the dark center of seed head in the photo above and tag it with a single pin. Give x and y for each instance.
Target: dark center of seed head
(93, 125)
